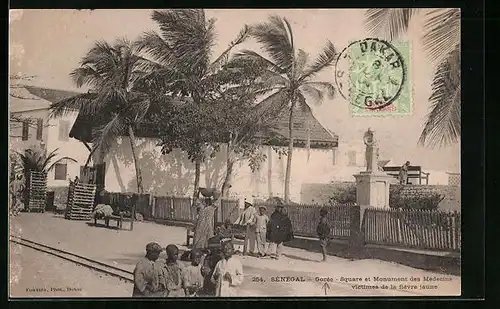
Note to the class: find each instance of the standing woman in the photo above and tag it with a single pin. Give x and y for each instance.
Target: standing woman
(279, 231)
(205, 221)
(16, 193)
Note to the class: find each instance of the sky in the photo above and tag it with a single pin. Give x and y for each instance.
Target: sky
(50, 43)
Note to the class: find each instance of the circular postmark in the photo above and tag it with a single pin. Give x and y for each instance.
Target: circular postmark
(370, 73)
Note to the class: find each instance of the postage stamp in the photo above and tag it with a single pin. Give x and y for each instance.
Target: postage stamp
(154, 159)
(373, 76)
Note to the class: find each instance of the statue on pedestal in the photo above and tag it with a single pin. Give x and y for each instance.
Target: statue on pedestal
(371, 152)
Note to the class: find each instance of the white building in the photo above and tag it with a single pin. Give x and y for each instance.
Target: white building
(33, 103)
(325, 160)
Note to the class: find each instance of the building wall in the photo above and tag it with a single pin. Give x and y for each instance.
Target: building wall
(174, 173)
(67, 147)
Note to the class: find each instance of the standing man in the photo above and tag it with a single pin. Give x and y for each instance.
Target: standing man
(403, 173)
(147, 273)
(247, 218)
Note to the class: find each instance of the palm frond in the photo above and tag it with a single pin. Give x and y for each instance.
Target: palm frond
(190, 37)
(70, 105)
(442, 32)
(86, 75)
(257, 59)
(60, 160)
(300, 63)
(153, 44)
(316, 94)
(277, 40)
(224, 56)
(324, 60)
(388, 24)
(104, 135)
(326, 87)
(442, 127)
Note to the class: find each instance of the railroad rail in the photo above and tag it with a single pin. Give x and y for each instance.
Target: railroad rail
(101, 267)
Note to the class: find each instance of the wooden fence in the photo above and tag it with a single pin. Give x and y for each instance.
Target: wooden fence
(420, 229)
(305, 219)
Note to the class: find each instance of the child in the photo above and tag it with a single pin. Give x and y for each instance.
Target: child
(172, 279)
(193, 280)
(323, 231)
(147, 273)
(261, 221)
(228, 273)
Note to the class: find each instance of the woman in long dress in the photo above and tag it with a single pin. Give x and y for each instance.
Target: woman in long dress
(204, 225)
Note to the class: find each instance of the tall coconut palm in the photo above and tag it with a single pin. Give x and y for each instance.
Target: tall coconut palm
(441, 39)
(110, 71)
(181, 56)
(287, 74)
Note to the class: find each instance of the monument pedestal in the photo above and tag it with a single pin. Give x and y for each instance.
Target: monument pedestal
(372, 190)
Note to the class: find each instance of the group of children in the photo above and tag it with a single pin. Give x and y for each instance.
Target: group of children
(169, 278)
(157, 278)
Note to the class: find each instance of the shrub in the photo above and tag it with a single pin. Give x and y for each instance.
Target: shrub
(344, 195)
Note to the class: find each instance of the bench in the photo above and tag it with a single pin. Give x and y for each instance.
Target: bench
(414, 172)
(119, 220)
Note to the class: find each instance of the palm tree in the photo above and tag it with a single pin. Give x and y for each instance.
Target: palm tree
(110, 71)
(181, 58)
(441, 39)
(39, 161)
(287, 74)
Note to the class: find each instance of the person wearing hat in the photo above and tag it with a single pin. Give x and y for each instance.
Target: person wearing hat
(247, 218)
(147, 273)
(261, 221)
(279, 230)
(205, 223)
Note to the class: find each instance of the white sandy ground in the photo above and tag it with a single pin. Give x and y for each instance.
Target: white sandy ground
(124, 248)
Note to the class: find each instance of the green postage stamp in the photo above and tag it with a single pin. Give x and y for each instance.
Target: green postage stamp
(373, 75)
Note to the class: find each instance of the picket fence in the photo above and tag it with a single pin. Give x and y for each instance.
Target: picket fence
(419, 229)
(305, 219)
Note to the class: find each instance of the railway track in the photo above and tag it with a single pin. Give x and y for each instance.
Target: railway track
(101, 267)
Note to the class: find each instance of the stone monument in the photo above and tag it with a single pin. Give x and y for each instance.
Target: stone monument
(372, 185)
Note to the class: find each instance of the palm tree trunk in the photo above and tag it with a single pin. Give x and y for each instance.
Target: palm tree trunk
(289, 154)
(138, 175)
(229, 171)
(197, 172)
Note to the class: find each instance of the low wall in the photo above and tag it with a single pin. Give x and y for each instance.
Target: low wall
(452, 194)
(317, 193)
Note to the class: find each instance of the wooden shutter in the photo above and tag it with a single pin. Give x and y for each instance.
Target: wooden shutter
(63, 130)
(26, 128)
(39, 129)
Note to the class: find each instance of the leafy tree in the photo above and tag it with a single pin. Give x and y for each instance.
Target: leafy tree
(110, 71)
(288, 75)
(441, 39)
(181, 64)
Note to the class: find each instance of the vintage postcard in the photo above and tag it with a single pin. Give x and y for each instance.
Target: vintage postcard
(202, 153)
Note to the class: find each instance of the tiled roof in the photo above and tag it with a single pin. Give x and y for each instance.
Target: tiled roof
(26, 98)
(305, 125)
(51, 95)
